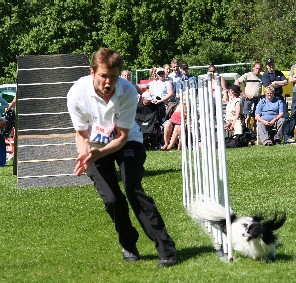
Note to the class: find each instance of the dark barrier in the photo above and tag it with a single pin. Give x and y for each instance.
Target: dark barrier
(45, 139)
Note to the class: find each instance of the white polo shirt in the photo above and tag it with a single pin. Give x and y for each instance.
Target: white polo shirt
(90, 112)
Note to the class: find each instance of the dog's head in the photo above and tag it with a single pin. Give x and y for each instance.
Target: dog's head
(263, 229)
(253, 229)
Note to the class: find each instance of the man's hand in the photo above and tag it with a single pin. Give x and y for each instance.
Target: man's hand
(81, 165)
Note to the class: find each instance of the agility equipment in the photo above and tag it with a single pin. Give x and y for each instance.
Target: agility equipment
(204, 167)
(45, 149)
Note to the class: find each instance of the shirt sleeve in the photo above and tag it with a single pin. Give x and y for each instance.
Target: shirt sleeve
(242, 78)
(259, 108)
(128, 107)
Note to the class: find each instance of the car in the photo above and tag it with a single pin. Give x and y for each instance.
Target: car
(8, 91)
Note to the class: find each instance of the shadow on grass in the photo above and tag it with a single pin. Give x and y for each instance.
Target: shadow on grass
(185, 254)
(150, 173)
(284, 257)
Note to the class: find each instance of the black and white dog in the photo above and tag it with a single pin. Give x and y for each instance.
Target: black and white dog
(251, 236)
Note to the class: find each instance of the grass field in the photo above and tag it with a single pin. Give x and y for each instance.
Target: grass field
(64, 234)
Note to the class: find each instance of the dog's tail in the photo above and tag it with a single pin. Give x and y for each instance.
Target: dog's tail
(276, 222)
(210, 210)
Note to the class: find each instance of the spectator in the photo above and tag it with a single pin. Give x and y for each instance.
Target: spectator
(253, 89)
(185, 77)
(175, 76)
(290, 124)
(127, 75)
(161, 90)
(172, 130)
(234, 110)
(274, 78)
(269, 114)
(212, 69)
(102, 107)
(148, 117)
(152, 73)
(146, 105)
(167, 70)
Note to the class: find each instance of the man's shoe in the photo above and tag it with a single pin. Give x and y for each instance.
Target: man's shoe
(167, 261)
(131, 256)
(290, 141)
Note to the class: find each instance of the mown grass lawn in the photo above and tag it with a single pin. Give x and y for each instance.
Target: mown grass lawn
(64, 234)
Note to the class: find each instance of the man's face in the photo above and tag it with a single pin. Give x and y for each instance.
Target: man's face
(104, 79)
(270, 67)
(127, 76)
(185, 70)
(175, 68)
(257, 69)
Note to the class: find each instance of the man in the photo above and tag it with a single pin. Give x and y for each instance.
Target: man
(102, 107)
(269, 114)
(253, 88)
(175, 76)
(274, 78)
(185, 77)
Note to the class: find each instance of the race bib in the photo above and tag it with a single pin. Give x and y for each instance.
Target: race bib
(100, 136)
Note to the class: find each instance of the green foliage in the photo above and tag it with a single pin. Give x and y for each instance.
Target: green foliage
(65, 235)
(149, 33)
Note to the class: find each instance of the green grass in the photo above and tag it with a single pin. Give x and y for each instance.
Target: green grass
(64, 234)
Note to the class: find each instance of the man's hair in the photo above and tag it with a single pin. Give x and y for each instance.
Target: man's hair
(257, 63)
(175, 61)
(106, 56)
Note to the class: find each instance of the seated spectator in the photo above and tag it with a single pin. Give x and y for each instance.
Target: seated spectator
(146, 105)
(148, 117)
(161, 90)
(127, 75)
(234, 110)
(172, 130)
(270, 116)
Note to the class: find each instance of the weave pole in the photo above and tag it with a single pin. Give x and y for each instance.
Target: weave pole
(203, 152)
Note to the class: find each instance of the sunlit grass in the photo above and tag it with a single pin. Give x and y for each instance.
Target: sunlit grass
(64, 234)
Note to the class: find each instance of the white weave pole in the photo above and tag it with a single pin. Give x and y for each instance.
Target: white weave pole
(185, 177)
(202, 133)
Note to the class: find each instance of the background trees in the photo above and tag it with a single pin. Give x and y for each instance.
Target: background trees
(150, 32)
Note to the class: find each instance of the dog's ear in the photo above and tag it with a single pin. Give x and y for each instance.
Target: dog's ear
(257, 217)
(276, 221)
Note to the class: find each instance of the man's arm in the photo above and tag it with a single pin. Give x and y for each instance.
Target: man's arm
(88, 155)
(83, 147)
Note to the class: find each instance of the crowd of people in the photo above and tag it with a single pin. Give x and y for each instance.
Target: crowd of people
(245, 100)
